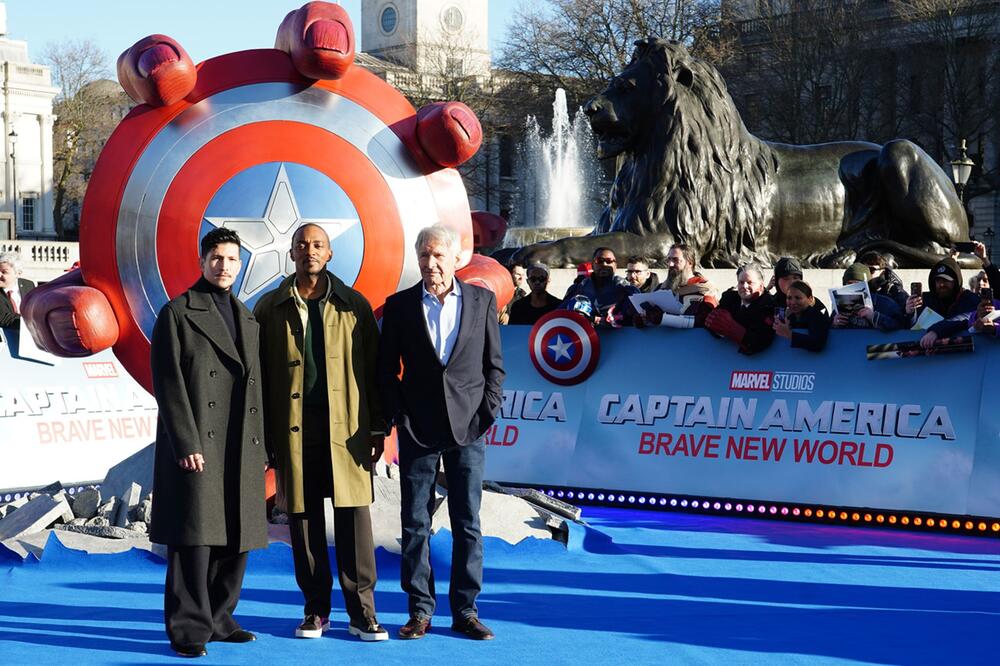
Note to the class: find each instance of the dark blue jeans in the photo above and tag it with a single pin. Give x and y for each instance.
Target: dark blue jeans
(463, 468)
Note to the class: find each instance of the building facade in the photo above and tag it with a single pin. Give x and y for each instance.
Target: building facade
(27, 119)
(809, 71)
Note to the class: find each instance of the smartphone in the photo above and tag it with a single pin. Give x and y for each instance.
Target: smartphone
(986, 294)
(779, 313)
(965, 246)
(916, 289)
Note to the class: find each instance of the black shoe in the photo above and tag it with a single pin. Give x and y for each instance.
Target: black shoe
(368, 630)
(189, 650)
(417, 627)
(471, 626)
(313, 626)
(240, 636)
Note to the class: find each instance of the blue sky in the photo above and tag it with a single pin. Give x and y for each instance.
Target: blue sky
(205, 28)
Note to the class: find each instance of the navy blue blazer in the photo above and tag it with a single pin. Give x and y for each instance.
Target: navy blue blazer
(441, 405)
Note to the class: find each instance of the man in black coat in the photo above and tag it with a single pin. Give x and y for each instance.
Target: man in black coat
(745, 314)
(208, 479)
(444, 333)
(12, 289)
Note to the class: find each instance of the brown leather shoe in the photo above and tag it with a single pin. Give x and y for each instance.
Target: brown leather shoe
(417, 627)
(471, 626)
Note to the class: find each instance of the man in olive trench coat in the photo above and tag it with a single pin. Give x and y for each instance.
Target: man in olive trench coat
(208, 478)
(319, 342)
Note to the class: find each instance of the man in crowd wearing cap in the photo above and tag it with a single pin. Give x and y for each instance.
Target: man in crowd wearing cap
(948, 298)
(786, 271)
(746, 313)
(883, 279)
(695, 293)
(603, 292)
(12, 289)
(638, 275)
(538, 302)
(885, 314)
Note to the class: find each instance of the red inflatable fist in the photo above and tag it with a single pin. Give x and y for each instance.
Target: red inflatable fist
(68, 318)
(449, 132)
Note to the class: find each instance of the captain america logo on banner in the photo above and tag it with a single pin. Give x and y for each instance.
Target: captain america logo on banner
(564, 347)
(259, 149)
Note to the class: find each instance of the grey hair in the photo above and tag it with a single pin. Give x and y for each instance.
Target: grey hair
(750, 267)
(13, 259)
(438, 233)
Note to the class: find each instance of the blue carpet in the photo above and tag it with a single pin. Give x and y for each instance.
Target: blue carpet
(633, 587)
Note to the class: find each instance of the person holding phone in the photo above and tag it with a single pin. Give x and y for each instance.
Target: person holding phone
(885, 314)
(805, 323)
(948, 298)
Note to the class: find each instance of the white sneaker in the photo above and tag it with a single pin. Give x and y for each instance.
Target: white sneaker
(372, 631)
(313, 626)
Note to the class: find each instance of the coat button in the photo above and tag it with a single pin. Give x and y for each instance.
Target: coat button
(212, 373)
(296, 396)
(294, 428)
(211, 434)
(255, 440)
(211, 403)
(295, 363)
(253, 410)
(252, 381)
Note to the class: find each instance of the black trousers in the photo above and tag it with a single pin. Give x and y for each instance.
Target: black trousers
(201, 592)
(355, 545)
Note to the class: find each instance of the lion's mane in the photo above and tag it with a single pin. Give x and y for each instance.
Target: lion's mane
(698, 171)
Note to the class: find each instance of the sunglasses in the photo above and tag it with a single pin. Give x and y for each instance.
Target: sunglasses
(605, 261)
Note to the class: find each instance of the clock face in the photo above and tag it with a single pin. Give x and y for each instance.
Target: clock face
(452, 19)
(388, 19)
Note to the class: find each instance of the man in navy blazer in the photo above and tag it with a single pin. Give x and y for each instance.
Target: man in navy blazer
(444, 334)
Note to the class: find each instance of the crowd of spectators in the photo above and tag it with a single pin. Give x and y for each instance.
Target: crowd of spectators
(754, 313)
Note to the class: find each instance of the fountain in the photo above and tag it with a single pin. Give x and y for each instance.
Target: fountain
(560, 179)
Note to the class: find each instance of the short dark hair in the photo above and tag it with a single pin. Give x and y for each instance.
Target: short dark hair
(603, 249)
(803, 286)
(219, 236)
(872, 258)
(638, 259)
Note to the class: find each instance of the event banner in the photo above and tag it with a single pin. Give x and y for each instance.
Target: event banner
(66, 419)
(679, 411)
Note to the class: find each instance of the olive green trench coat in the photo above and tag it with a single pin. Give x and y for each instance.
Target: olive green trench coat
(351, 343)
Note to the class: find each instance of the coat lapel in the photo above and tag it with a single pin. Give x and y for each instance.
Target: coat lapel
(248, 334)
(207, 320)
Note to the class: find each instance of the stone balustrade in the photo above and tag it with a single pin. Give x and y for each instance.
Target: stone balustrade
(43, 260)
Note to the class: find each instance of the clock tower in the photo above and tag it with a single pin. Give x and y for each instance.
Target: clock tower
(434, 37)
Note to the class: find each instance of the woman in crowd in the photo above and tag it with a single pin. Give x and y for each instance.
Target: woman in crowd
(805, 323)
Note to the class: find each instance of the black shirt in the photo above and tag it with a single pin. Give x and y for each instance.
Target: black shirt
(524, 313)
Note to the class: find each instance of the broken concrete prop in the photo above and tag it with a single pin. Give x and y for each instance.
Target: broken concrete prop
(142, 512)
(104, 531)
(127, 502)
(137, 468)
(34, 516)
(85, 503)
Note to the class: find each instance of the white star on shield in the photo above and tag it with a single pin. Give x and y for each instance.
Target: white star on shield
(561, 348)
(269, 238)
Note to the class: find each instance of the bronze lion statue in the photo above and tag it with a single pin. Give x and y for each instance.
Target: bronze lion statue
(688, 171)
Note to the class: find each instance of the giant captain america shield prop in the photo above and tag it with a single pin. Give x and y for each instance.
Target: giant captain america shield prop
(257, 148)
(564, 347)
